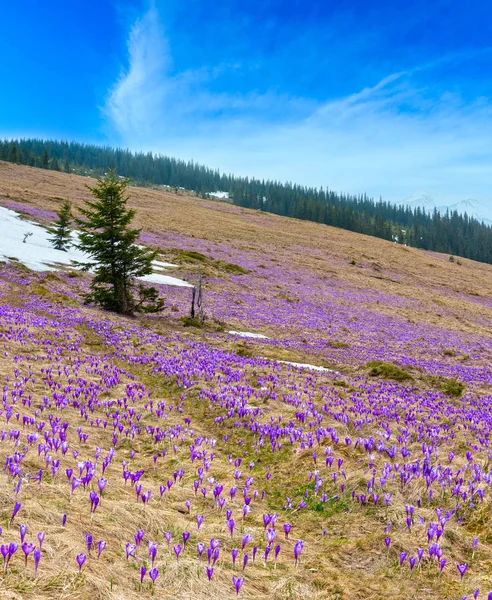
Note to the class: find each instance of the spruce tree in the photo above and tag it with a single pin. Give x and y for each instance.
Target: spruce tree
(60, 232)
(45, 160)
(13, 154)
(114, 258)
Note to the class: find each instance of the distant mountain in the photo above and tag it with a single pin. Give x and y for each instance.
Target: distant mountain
(424, 200)
(473, 208)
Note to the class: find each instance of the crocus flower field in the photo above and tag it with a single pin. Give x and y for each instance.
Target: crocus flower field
(142, 458)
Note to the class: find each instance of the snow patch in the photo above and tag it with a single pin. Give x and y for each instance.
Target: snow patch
(165, 280)
(162, 265)
(38, 254)
(306, 366)
(248, 334)
(220, 195)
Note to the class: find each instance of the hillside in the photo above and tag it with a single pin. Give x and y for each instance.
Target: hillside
(456, 229)
(379, 458)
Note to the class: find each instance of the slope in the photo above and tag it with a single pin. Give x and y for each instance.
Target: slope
(391, 443)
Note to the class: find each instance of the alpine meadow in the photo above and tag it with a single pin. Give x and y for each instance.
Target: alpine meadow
(246, 300)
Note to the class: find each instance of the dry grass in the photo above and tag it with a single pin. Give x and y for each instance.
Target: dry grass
(347, 562)
(324, 251)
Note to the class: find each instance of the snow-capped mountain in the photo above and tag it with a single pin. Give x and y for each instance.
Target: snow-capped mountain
(473, 208)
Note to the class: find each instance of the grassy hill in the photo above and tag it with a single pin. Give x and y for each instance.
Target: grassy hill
(390, 440)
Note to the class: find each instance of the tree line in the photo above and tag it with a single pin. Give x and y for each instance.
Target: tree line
(448, 232)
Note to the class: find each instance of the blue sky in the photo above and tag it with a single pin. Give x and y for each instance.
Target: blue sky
(386, 97)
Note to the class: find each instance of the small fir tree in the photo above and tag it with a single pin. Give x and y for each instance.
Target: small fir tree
(106, 237)
(60, 232)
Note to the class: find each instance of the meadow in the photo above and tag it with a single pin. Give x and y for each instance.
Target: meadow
(145, 458)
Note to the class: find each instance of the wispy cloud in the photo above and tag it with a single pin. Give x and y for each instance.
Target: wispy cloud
(136, 101)
(397, 137)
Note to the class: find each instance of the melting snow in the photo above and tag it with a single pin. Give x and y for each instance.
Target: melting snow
(221, 195)
(165, 280)
(38, 254)
(162, 265)
(247, 334)
(306, 366)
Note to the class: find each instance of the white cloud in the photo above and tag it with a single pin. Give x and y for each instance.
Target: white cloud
(395, 138)
(135, 102)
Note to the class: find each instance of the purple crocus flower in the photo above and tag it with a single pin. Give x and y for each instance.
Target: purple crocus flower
(210, 572)
(287, 528)
(214, 543)
(81, 558)
(27, 548)
(41, 535)
(234, 553)
(177, 550)
(199, 521)
(474, 546)
(245, 561)
(129, 549)
(215, 556)
(153, 574)
(246, 539)
(139, 536)
(101, 484)
(94, 498)
(100, 547)
(143, 571)
(22, 532)
(64, 520)
(266, 520)
(403, 555)
(168, 535)
(200, 549)
(238, 582)
(462, 569)
(15, 510)
(152, 549)
(186, 537)
(387, 541)
(88, 539)
(37, 558)
(298, 547)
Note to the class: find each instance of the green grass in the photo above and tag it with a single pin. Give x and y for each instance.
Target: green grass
(230, 267)
(378, 368)
(337, 344)
(452, 387)
(191, 256)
